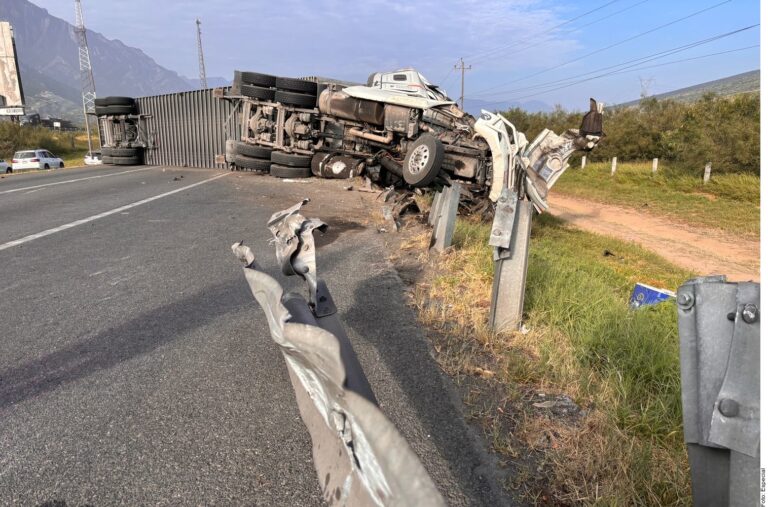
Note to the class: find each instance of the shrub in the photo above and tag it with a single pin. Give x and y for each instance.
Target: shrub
(721, 130)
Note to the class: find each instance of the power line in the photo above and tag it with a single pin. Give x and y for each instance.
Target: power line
(580, 27)
(624, 71)
(605, 48)
(484, 53)
(444, 77)
(628, 63)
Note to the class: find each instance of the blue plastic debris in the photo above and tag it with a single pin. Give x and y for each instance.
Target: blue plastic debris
(643, 295)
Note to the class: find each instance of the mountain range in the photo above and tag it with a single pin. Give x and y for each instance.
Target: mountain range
(50, 70)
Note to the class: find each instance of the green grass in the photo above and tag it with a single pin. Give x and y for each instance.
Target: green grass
(587, 342)
(728, 202)
(574, 287)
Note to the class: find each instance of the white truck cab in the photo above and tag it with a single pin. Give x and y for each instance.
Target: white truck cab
(407, 81)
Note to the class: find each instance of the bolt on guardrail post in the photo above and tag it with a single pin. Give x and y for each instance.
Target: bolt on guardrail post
(613, 166)
(445, 219)
(510, 237)
(719, 326)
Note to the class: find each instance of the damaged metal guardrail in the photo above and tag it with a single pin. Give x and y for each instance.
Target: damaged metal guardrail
(360, 457)
(719, 324)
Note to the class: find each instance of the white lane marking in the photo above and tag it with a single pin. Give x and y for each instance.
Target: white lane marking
(76, 223)
(73, 181)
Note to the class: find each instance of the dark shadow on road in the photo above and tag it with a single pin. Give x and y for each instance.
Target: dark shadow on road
(381, 316)
(140, 335)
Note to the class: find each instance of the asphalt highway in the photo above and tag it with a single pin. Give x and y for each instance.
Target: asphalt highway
(136, 368)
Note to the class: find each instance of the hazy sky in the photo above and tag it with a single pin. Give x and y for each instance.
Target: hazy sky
(514, 46)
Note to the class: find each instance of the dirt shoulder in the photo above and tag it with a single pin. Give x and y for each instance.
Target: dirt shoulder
(702, 250)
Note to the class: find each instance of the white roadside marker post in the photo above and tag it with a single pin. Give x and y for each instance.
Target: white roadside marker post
(613, 166)
(707, 172)
(655, 167)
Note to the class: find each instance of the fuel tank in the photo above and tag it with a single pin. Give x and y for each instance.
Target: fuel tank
(342, 105)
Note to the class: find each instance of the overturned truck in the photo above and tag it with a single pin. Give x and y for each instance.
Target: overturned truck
(398, 129)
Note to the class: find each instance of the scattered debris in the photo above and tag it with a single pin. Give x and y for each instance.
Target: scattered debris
(644, 295)
(389, 217)
(349, 188)
(289, 180)
(560, 405)
(367, 186)
(482, 372)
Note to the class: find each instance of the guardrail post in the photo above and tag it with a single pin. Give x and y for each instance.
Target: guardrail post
(434, 211)
(613, 166)
(655, 166)
(719, 326)
(445, 220)
(707, 172)
(510, 237)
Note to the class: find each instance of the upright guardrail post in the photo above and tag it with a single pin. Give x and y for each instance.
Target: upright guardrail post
(434, 211)
(445, 219)
(510, 237)
(719, 324)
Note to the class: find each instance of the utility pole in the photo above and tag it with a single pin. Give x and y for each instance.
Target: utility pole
(87, 84)
(203, 78)
(462, 68)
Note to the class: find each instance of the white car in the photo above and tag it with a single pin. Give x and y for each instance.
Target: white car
(36, 159)
(4, 167)
(93, 158)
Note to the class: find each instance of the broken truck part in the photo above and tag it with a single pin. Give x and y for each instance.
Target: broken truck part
(397, 129)
(360, 457)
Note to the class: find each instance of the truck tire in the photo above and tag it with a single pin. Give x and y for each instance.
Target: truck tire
(106, 159)
(115, 110)
(296, 85)
(229, 150)
(255, 79)
(124, 152)
(291, 160)
(114, 101)
(296, 99)
(423, 161)
(252, 151)
(258, 164)
(136, 160)
(257, 92)
(281, 171)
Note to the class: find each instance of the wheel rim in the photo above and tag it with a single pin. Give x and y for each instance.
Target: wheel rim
(418, 159)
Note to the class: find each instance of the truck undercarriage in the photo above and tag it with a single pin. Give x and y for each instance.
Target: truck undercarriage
(399, 129)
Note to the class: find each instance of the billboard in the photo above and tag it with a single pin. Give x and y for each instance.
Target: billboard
(11, 91)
